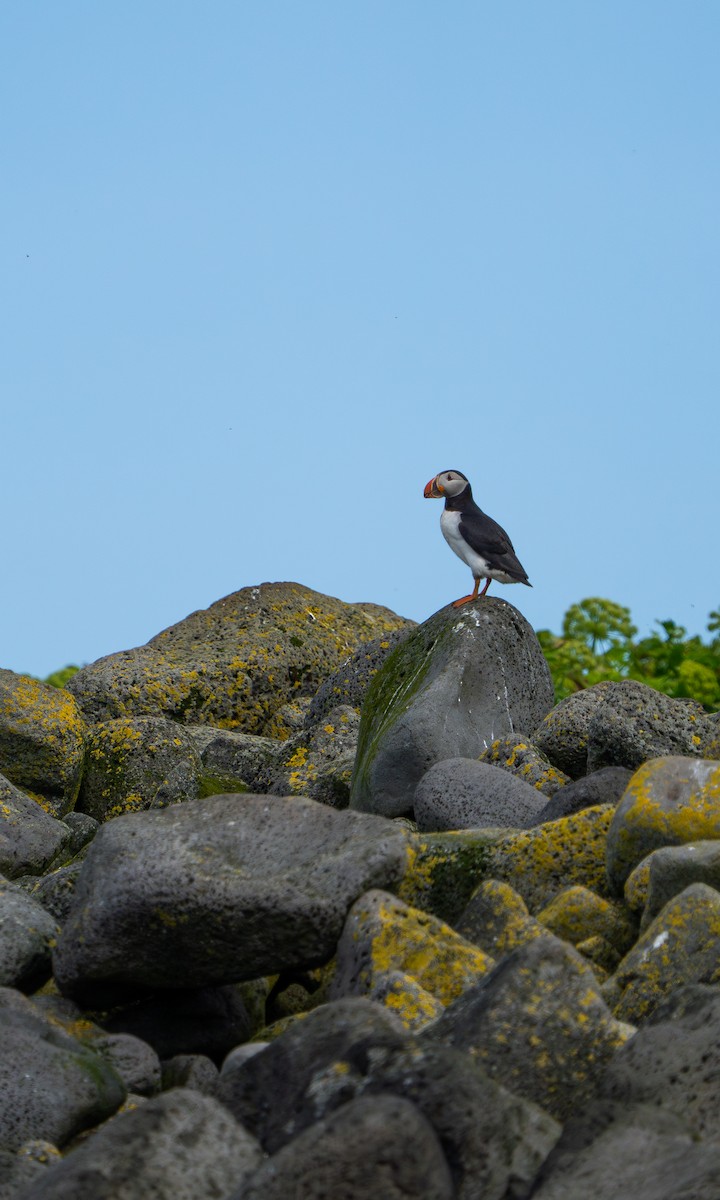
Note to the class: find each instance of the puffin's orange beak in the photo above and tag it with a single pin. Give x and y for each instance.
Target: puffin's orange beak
(433, 490)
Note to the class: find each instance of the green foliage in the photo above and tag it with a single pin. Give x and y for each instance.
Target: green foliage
(599, 641)
(59, 678)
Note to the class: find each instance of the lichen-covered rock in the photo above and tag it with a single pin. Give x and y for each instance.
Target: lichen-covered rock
(457, 683)
(382, 935)
(634, 723)
(540, 862)
(605, 786)
(537, 1023)
(319, 761)
(372, 1146)
(134, 763)
(577, 914)
(517, 755)
(563, 734)
(668, 801)
(497, 919)
(682, 945)
(462, 793)
(56, 890)
(51, 1086)
(234, 761)
(30, 838)
(218, 890)
(178, 1146)
(348, 685)
(236, 663)
(673, 868)
(27, 936)
(42, 740)
(444, 870)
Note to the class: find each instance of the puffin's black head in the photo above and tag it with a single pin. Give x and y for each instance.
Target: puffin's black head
(447, 484)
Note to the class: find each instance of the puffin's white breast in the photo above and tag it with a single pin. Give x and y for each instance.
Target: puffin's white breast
(450, 525)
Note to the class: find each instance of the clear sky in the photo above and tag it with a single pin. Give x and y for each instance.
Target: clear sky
(269, 266)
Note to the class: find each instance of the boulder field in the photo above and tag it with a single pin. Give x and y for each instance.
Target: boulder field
(303, 899)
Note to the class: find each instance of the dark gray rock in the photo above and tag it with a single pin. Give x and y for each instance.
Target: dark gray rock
(379, 1146)
(634, 723)
(517, 755)
(136, 1063)
(56, 890)
(178, 1146)
(457, 683)
(208, 1021)
(195, 1071)
(218, 890)
(82, 830)
(537, 1024)
(137, 763)
(605, 786)
(18, 1171)
(236, 663)
(308, 1070)
(27, 934)
(319, 761)
(462, 793)
(563, 734)
(30, 839)
(350, 682)
(673, 868)
(51, 1086)
(228, 756)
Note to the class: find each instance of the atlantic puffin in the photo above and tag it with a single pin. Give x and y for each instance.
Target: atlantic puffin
(473, 535)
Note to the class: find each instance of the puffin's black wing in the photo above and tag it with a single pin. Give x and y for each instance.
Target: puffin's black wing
(490, 541)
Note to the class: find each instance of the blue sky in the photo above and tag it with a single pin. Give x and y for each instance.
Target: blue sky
(268, 267)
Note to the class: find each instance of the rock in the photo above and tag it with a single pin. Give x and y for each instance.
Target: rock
(673, 868)
(372, 1147)
(289, 719)
(348, 684)
(195, 1071)
(27, 935)
(308, 1069)
(517, 755)
(680, 946)
(537, 1024)
(541, 862)
(462, 793)
(634, 723)
(673, 1062)
(191, 1021)
(563, 734)
(457, 683)
(602, 787)
(445, 869)
(136, 1063)
(56, 891)
(235, 663)
(319, 762)
(42, 740)
(383, 935)
(638, 1154)
(577, 914)
(82, 830)
(136, 763)
(668, 801)
(51, 1086)
(216, 890)
(233, 761)
(496, 918)
(30, 839)
(178, 1146)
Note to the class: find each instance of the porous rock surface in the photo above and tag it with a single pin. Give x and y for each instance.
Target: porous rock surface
(462, 793)
(519, 1009)
(457, 683)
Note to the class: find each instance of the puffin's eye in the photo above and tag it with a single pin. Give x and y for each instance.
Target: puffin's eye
(450, 475)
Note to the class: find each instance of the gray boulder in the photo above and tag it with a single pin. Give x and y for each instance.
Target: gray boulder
(375, 1146)
(348, 685)
(136, 1063)
(27, 934)
(29, 837)
(563, 734)
(605, 786)
(634, 723)
(42, 739)
(51, 1086)
(195, 1071)
(673, 868)
(217, 890)
(208, 1021)
(457, 683)
(178, 1146)
(135, 763)
(244, 761)
(462, 793)
(233, 664)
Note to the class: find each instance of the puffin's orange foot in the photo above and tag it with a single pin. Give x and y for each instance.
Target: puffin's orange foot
(464, 600)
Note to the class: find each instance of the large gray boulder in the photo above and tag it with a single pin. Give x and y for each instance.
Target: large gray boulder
(462, 793)
(51, 1086)
(178, 1146)
(460, 681)
(217, 890)
(236, 663)
(29, 837)
(633, 723)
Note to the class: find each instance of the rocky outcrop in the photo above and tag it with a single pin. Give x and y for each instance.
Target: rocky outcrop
(459, 682)
(42, 740)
